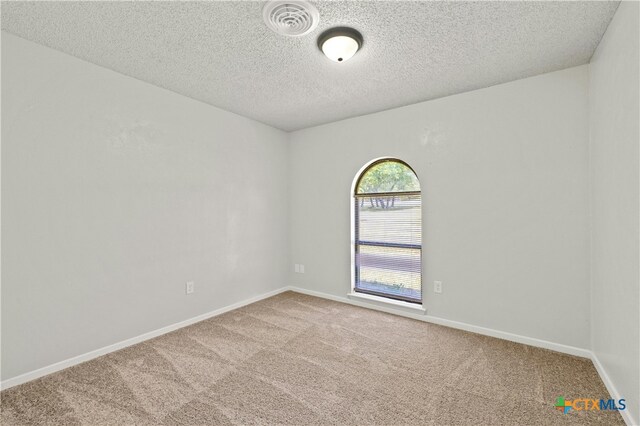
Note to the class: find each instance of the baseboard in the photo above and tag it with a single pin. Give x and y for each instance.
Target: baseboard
(32, 375)
(23, 378)
(613, 391)
(558, 347)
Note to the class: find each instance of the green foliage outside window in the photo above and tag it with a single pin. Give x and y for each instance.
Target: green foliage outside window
(388, 176)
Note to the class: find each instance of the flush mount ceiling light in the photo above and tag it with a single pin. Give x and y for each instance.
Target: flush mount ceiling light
(291, 18)
(340, 44)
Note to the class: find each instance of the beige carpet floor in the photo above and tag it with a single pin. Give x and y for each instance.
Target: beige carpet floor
(300, 360)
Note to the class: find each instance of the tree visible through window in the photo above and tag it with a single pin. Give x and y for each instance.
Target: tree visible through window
(388, 232)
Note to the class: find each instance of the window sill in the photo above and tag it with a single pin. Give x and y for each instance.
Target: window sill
(406, 306)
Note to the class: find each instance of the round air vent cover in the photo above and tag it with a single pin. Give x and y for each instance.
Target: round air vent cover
(291, 17)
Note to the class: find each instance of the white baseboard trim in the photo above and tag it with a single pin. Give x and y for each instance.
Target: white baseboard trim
(613, 391)
(558, 347)
(26, 377)
(545, 344)
(32, 375)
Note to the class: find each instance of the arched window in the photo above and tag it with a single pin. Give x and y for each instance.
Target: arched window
(388, 231)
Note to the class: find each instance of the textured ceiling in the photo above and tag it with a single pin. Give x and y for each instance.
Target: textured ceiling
(223, 54)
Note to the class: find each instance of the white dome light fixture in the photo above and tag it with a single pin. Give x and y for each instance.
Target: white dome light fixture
(340, 44)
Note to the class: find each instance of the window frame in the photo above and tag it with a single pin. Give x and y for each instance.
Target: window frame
(355, 243)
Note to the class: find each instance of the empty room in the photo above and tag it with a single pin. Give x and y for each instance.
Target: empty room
(320, 213)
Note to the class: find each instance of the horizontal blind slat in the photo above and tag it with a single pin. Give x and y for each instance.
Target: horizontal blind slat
(388, 245)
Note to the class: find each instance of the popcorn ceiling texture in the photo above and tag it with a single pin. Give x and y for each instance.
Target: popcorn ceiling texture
(223, 54)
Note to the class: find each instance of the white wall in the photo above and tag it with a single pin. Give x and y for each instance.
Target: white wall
(114, 194)
(505, 202)
(614, 111)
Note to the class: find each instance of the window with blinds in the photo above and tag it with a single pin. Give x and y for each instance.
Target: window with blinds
(388, 232)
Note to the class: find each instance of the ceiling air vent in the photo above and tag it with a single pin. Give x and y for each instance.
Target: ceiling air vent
(291, 18)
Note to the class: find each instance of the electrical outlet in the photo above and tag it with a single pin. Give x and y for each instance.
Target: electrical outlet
(437, 286)
(302, 269)
(190, 287)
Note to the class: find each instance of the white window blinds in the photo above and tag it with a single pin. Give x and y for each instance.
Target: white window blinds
(388, 233)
